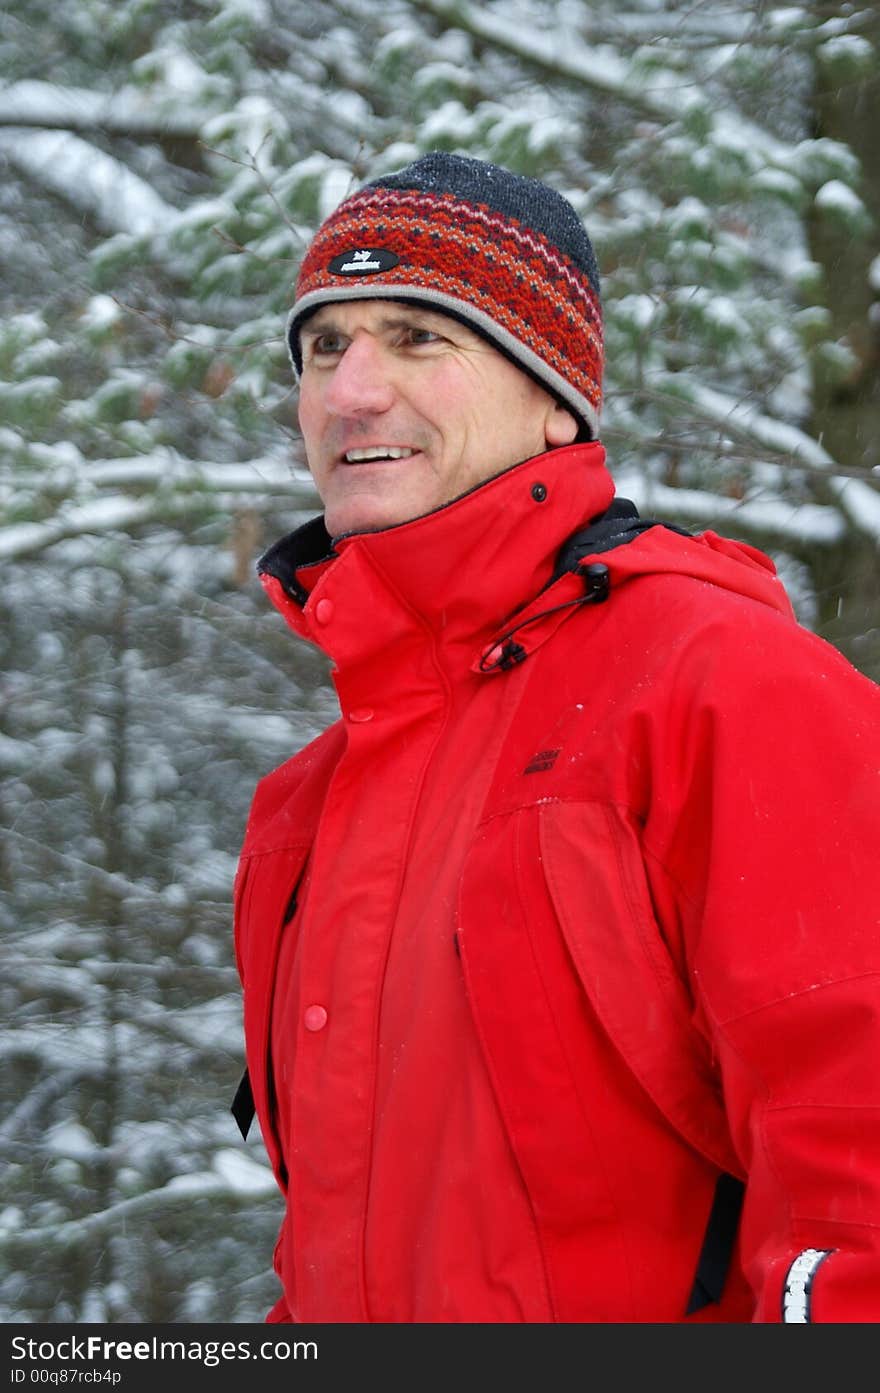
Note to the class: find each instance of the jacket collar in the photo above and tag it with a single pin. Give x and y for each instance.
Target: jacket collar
(459, 572)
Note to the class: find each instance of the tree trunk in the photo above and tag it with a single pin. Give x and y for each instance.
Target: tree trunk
(846, 409)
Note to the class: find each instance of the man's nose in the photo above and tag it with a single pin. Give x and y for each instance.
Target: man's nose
(361, 381)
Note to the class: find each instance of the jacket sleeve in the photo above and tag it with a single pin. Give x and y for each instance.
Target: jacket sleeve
(768, 828)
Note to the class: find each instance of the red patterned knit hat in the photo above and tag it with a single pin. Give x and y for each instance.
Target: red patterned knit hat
(506, 255)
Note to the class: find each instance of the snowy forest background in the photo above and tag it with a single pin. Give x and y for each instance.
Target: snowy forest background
(163, 163)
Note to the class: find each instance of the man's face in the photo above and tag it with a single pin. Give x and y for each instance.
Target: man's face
(403, 409)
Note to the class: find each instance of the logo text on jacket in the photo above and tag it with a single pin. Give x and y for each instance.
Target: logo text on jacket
(544, 759)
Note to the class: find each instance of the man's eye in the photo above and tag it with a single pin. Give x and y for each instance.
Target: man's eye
(327, 343)
(416, 336)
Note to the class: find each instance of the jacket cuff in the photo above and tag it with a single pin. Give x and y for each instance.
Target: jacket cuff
(822, 1286)
(797, 1286)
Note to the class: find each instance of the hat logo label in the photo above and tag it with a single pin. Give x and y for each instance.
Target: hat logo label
(364, 261)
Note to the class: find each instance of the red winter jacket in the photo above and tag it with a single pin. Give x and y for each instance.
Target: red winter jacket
(570, 918)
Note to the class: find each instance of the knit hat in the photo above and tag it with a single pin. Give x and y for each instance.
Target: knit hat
(506, 255)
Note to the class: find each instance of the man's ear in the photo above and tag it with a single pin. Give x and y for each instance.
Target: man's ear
(560, 426)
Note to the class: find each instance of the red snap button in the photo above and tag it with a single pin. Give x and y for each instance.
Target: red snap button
(361, 713)
(324, 611)
(314, 1018)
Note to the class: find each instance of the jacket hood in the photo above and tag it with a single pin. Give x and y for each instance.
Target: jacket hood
(504, 564)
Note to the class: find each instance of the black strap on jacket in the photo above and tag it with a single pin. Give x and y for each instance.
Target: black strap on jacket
(713, 1264)
(243, 1109)
(619, 524)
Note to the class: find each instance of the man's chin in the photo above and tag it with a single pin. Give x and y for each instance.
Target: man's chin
(371, 514)
(349, 522)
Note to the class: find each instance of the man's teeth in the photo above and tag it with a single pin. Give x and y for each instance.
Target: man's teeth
(379, 452)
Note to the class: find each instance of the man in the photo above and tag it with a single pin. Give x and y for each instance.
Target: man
(559, 949)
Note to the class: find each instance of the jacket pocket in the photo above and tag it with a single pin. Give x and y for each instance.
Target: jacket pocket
(605, 1087)
(596, 878)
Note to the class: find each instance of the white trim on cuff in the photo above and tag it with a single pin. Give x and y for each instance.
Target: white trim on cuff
(798, 1286)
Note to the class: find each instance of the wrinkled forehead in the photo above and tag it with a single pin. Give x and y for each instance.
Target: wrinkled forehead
(378, 314)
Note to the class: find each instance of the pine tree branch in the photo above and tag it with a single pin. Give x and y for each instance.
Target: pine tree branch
(180, 1193)
(858, 500)
(89, 180)
(217, 489)
(45, 106)
(600, 68)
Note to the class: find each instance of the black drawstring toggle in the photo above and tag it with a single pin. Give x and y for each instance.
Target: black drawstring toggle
(506, 653)
(597, 579)
(511, 654)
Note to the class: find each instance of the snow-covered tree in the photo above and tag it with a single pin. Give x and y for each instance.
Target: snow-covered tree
(164, 165)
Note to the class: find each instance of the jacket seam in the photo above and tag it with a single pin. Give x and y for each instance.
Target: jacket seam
(546, 877)
(724, 1024)
(527, 803)
(836, 1224)
(301, 844)
(830, 1107)
(720, 1022)
(526, 918)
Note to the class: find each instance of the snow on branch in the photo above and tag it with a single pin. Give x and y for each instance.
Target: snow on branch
(859, 501)
(36, 1102)
(809, 523)
(192, 484)
(249, 1181)
(187, 490)
(128, 112)
(601, 68)
(90, 180)
(115, 882)
(269, 474)
(102, 515)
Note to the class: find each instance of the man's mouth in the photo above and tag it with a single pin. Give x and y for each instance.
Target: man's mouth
(378, 452)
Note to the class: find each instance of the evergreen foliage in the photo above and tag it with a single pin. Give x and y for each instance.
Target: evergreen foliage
(164, 165)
